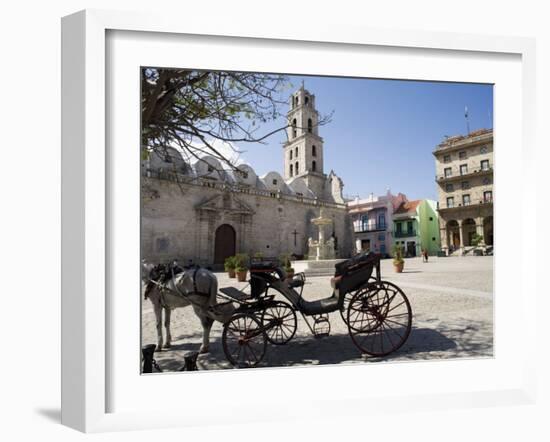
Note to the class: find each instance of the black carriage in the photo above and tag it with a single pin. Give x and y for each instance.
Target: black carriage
(377, 313)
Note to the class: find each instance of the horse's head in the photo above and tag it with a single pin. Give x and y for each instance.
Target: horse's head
(151, 271)
(146, 268)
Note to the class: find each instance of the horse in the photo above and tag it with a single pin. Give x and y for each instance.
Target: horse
(170, 286)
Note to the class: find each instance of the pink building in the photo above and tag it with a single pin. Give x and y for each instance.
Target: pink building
(372, 219)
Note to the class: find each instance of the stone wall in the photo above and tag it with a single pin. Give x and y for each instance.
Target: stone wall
(179, 220)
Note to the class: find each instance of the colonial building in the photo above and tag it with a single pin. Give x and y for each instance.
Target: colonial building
(203, 213)
(372, 219)
(464, 177)
(416, 227)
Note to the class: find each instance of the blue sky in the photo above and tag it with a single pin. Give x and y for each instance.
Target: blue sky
(382, 132)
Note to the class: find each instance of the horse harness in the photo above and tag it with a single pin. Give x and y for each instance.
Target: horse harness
(162, 282)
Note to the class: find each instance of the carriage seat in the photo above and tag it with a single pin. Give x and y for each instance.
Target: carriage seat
(234, 293)
(298, 282)
(320, 306)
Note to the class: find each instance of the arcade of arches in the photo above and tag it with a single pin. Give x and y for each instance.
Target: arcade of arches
(458, 234)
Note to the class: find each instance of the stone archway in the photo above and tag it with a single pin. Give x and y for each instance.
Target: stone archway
(468, 231)
(224, 243)
(488, 230)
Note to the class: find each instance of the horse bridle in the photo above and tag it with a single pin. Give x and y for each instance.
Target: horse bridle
(163, 287)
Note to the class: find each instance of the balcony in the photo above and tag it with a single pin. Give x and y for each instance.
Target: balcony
(404, 234)
(485, 202)
(365, 228)
(456, 175)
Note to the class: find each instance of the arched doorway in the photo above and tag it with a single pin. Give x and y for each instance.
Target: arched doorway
(453, 235)
(488, 230)
(224, 243)
(468, 231)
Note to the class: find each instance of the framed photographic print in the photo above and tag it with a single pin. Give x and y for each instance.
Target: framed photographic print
(289, 207)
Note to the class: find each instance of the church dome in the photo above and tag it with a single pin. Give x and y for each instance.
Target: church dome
(247, 175)
(299, 187)
(166, 159)
(273, 181)
(209, 167)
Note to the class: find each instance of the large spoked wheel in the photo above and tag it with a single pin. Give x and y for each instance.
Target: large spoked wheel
(279, 321)
(244, 341)
(379, 318)
(345, 306)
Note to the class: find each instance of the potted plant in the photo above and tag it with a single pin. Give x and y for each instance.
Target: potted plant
(285, 260)
(241, 267)
(398, 261)
(230, 265)
(477, 242)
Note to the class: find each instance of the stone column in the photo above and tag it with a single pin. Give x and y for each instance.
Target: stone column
(479, 228)
(444, 240)
(461, 233)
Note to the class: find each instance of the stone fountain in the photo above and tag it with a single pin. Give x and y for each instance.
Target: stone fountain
(321, 249)
(321, 252)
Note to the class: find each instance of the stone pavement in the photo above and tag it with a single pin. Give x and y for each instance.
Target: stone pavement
(452, 305)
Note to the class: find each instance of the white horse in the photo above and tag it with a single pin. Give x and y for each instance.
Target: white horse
(197, 287)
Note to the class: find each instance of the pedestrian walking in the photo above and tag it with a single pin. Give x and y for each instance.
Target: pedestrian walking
(424, 255)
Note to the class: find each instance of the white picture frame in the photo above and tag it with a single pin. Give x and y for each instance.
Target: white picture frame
(87, 234)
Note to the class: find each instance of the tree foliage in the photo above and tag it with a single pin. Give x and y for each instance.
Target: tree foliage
(191, 108)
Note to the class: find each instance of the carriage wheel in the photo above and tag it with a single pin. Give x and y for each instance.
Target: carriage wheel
(279, 321)
(347, 298)
(244, 341)
(345, 305)
(379, 318)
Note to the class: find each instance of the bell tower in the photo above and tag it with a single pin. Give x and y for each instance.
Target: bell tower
(303, 152)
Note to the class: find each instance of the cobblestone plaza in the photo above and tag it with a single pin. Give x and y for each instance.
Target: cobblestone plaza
(451, 299)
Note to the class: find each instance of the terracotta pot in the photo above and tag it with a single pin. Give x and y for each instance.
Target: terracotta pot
(231, 273)
(241, 276)
(399, 267)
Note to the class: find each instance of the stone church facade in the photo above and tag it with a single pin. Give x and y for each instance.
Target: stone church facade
(202, 213)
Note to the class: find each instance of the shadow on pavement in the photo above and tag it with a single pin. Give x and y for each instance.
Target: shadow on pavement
(422, 344)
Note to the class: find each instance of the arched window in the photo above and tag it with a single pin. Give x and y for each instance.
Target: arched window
(309, 125)
(294, 128)
(296, 153)
(313, 151)
(291, 170)
(313, 166)
(297, 101)
(296, 168)
(307, 99)
(290, 153)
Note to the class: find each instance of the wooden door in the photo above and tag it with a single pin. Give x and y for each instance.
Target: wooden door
(224, 243)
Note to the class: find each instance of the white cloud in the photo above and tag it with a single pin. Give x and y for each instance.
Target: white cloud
(227, 149)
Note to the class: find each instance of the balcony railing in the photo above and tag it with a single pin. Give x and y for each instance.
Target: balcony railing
(460, 205)
(404, 233)
(457, 174)
(369, 228)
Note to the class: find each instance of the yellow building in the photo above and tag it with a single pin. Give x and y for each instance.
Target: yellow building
(464, 177)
